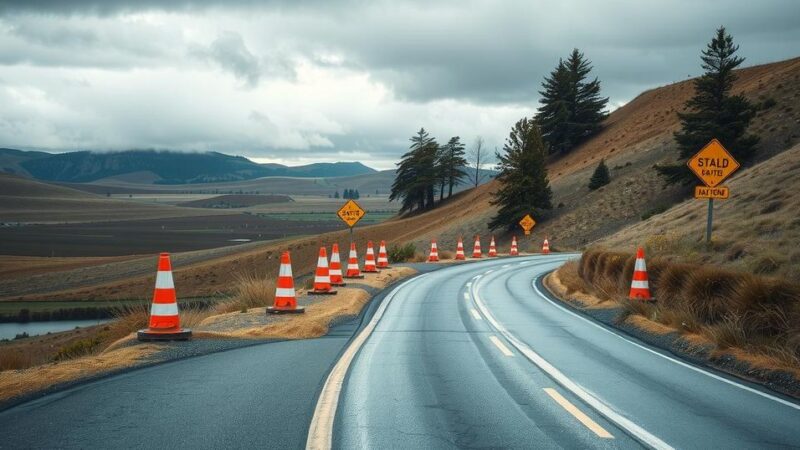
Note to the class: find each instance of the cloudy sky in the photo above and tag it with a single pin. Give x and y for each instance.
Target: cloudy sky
(326, 80)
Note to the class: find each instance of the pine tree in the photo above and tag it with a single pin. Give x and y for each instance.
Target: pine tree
(713, 112)
(356, 195)
(572, 108)
(452, 162)
(524, 186)
(600, 177)
(336, 194)
(417, 174)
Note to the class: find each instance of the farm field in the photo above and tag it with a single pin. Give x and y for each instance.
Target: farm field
(130, 237)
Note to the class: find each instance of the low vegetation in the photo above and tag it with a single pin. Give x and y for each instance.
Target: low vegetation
(733, 310)
(401, 253)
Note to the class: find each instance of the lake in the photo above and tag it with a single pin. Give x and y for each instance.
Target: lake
(9, 330)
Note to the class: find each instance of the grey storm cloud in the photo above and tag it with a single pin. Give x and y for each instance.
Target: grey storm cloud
(448, 65)
(230, 52)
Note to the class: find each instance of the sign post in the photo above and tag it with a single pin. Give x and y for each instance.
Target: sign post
(713, 165)
(351, 213)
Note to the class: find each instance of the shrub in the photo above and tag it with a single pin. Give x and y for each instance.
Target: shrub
(402, 253)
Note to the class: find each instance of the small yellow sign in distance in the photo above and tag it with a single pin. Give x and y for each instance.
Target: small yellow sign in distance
(527, 223)
(719, 192)
(350, 213)
(713, 164)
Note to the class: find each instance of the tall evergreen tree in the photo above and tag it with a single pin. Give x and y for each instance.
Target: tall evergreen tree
(572, 108)
(713, 112)
(600, 177)
(453, 163)
(417, 174)
(524, 186)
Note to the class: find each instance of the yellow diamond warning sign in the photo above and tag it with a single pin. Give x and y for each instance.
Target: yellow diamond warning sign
(350, 213)
(713, 164)
(527, 223)
(719, 192)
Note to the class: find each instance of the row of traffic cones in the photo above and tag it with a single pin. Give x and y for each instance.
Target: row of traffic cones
(165, 322)
(433, 256)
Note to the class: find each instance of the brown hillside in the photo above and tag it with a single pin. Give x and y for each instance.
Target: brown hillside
(757, 230)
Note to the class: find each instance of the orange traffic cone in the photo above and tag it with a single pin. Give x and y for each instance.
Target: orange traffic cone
(335, 270)
(165, 322)
(545, 247)
(640, 288)
(514, 251)
(322, 278)
(369, 260)
(476, 249)
(285, 296)
(492, 248)
(460, 250)
(434, 255)
(352, 264)
(383, 259)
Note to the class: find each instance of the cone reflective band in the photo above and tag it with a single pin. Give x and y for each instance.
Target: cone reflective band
(335, 270)
(434, 254)
(640, 288)
(476, 249)
(322, 279)
(285, 296)
(369, 259)
(514, 251)
(383, 258)
(352, 263)
(165, 322)
(546, 247)
(492, 248)
(460, 250)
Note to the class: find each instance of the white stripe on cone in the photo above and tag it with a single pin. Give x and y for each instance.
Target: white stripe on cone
(285, 270)
(639, 284)
(284, 292)
(164, 280)
(640, 266)
(164, 309)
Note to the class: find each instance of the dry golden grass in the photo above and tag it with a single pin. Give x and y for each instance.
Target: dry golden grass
(15, 383)
(731, 311)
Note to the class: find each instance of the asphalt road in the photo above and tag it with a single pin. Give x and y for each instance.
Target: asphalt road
(476, 356)
(467, 356)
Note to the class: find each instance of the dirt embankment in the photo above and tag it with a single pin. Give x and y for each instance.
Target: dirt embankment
(740, 323)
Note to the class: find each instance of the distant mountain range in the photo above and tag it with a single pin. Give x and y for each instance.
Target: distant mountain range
(160, 167)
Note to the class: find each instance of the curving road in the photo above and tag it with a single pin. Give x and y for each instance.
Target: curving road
(478, 356)
(472, 355)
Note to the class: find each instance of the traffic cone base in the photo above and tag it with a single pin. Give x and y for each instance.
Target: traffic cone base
(354, 277)
(165, 322)
(278, 310)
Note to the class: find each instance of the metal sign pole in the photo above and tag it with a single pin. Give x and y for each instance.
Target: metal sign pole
(710, 220)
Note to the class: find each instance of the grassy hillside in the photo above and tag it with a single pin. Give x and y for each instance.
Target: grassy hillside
(756, 230)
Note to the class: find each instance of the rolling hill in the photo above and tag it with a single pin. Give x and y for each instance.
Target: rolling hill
(160, 167)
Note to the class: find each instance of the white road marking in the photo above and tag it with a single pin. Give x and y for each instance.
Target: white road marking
(499, 344)
(320, 432)
(475, 313)
(578, 414)
(680, 363)
(466, 296)
(506, 266)
(606, 411)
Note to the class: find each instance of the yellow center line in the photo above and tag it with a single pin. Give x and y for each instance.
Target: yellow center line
(578, 414)
(499, 344)
(475, 314)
